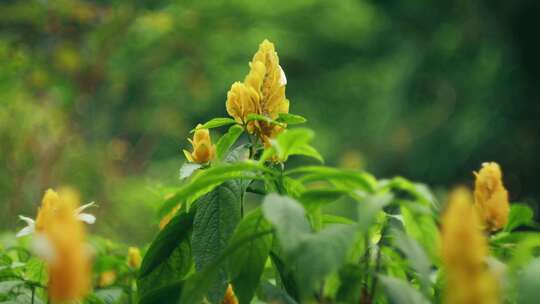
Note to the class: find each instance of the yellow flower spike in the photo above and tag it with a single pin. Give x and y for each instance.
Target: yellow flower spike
(491, 197)
(134, 257)
(230, 297)
(60, 240)
(464, 250)
(203, 149)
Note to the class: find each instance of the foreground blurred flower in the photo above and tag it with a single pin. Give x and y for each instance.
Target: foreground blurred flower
(60, 241)
(262, 93)
(49, 203)
(464, 251)
(230, 297)
(203, 149)
(491, 197)
(134, 257)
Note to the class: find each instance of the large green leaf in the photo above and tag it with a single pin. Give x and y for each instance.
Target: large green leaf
(166, 241)
(246, 266)
(200, 282)
(421, 226)
(217, 215)
(291, 119)
(204, 180)
(528, 284)
(169, 257)
(401, 292)
(347, 179)
(289, 219)
(275, 295)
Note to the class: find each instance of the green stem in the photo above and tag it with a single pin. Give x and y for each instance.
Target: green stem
(377, 264)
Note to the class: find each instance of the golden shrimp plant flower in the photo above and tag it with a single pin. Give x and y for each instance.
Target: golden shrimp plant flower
(491, 197)
(229, 297)
(48, 204)
(262, 93)
(464, 251)
(203, 149)
(60, 241)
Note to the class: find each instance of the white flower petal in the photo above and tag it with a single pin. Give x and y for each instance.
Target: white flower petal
(25, 231)
(86, 217)
(29, 221)
(282, 78)
(81, 208)
(43, 248)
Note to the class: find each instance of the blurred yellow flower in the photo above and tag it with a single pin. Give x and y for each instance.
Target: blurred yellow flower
(491, 197)
(230, 297)
(60, 240)
(464, 251)
(107, 278)
(203, 149)
(134, 257)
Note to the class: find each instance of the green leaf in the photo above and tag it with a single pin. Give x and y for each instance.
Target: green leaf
(246, 266)
(291, 119)
(206, 179)
(421, 227)
(315, 198)
(346, 179)
(288, 217)
(528, 284)
(110, 296)
(168, 258)
(272, 294)
(369, 207)
(165, 294)
(416, 257)
(218, 213)
(200, 282)
(166, 241)
(320, 254)
(226, 141)
(307, 150)
(350, 290)
(520, 215)
(401, 292)
(215, 122)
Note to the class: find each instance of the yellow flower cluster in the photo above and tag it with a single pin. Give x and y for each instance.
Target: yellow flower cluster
(203, 149)
(61, 241)
(261, 93)
(464, 250)
(491, 197)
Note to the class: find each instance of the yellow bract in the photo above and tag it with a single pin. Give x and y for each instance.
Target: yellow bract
(66, 253)
(203, 149)
(491, 197)
(230, 297)
(262, 93)
(134, 257)
(464, 250)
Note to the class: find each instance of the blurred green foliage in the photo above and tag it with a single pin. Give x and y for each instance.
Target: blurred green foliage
(100, 94)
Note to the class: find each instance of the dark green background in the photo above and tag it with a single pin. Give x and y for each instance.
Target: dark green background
(101, 94)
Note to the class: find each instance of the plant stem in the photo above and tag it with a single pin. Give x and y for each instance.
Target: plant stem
(377, 263)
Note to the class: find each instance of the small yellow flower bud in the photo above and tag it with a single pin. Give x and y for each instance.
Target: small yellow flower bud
(230, 297)
(491, 197)
(203, 149)
(134, 257)
(107, 278)
(464, 250)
